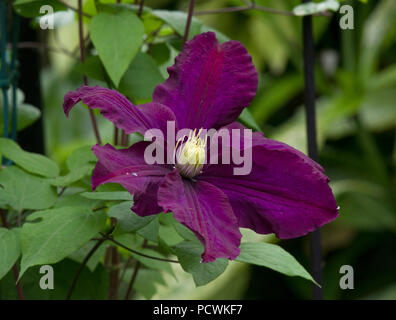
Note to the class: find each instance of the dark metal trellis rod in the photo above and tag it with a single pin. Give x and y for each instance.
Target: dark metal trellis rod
(309, 78)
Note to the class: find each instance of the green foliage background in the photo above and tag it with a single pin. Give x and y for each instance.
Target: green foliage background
(356, 110)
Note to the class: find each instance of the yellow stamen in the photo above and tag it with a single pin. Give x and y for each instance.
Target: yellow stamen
(190, 155)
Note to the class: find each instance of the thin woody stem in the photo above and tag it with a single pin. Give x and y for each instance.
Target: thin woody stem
(82, 58)
(110, 238)
(18, 284)
(141, 6)
(134, 275)
(253, 6)
(84, 263)
(188, 22)
(74, 9)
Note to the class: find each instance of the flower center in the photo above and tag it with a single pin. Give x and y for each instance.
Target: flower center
(191, 154)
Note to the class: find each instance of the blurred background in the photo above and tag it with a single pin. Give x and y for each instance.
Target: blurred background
(356, 115)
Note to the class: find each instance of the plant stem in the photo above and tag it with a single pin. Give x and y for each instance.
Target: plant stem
(74, 9)
(188, 22)
(309, 78)
(108, 237)
(114, 274)
(141, 5)
(18, 284)
(82, 58)
(253, 6)
(84, 262)
(134, 275)
(115, 136)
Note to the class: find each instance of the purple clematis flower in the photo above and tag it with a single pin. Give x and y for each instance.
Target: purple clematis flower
(286, 192)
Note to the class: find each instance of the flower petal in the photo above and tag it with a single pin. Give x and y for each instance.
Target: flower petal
(127, 167)
(116, 108)
(205, 210)
(210, 83)
(286, 193)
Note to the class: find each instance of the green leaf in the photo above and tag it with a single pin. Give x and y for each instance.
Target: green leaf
(73, 200)
(93, 68)
(189, 255)
(111, 195)
(80, 157)
(183, 231)
(9, 250)
(24, 191)
(151, 230)
(73, 176)
(128, 221)
(31, 162)
(141, 78)
(31, 8)
(312, 7)
(59, 233)
(273, 257)
(247, 119)
(146, 282)
(94, 260)
(117, 38)
(152, 263)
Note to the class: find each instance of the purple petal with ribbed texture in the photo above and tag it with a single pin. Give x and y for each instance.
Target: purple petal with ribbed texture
(128, 167)
(116, 108)
(205, 210)
(210, 83)
(286, 192)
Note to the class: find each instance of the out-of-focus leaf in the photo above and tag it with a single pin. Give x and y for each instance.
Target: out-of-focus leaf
(31, 162)
(274, 96)
(189, 255)
(26, 113)
(374, 30)
(273, 257)
(21, 190)
(9, 249)
(378, 110)
(31, 8)
(330, 113)
(177, 20)
(383, 79)
(117, 38)
(58, 233)
(364, 212)
(316, 7)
